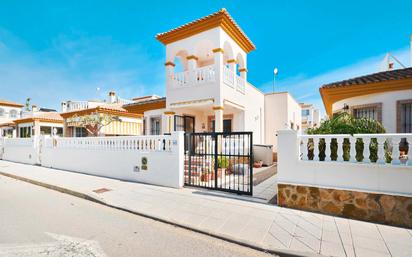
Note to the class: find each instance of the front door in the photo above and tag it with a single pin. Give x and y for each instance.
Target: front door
(186, 124)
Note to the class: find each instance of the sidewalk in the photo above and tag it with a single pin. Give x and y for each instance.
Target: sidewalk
(231, 217)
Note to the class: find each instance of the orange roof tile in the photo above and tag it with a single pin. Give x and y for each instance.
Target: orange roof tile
(220, 18)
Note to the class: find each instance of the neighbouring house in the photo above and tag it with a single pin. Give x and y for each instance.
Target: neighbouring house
(9, 111)
(39, 123)
(100, 117)
(384, 96)
(310, 116)
(283, 111)
(207, 87)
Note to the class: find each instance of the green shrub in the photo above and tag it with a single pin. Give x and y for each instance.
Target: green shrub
(347, 124)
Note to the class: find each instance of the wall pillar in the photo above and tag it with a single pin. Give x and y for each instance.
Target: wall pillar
(232, 64)
(191, 62)
(218, 118)
(243, 73)
(169, 121)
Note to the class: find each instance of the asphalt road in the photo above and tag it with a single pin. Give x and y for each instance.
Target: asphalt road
(35, 222)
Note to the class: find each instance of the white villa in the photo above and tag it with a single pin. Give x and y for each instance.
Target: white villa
(9, 111)
(207, 87)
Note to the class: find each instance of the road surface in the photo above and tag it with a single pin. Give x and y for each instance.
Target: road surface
(37, 222)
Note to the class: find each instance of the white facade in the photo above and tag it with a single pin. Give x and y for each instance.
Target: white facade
(281, 111)
(7, 115)
(310, 116)
(386, 104)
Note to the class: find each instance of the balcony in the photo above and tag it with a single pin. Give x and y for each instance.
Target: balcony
(206, 75)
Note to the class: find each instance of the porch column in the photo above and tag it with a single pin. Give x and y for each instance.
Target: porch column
(191, 62)
(170, 68)
(243, 72)
(218, 118)
(169, 121)
(232, 64)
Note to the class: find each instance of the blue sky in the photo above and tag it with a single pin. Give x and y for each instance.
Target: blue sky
(60, 50)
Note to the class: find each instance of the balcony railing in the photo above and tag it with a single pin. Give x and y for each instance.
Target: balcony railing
(195, 77)
(231, 79)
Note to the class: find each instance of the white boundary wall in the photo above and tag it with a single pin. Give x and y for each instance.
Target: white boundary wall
(114, 157)
(394, 178)
(23, 150)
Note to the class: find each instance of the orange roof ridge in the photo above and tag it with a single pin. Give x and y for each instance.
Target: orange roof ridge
(220, 18)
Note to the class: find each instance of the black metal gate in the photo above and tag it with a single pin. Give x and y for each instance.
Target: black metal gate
(220, 161)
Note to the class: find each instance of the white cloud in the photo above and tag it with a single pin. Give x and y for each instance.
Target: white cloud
(306, 89)
(73, 67)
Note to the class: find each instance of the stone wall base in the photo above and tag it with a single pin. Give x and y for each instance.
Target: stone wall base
(381, 208)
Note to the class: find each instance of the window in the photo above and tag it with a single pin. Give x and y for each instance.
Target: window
(13, 114)
(45, 130)
(155, 126)
(369, 111)
(80, 132)
(404, 116)
(25, 132)
(305, 112)
(1, 112)
(227, 126)
(144, 126)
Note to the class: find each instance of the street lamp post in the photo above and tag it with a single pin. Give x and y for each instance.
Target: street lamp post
(275, 72)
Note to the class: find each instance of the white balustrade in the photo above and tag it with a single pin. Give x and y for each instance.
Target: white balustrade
(77, 105)
(228, 77)
(143, 143)
(195, 77)
(377, 148)
(240, 84)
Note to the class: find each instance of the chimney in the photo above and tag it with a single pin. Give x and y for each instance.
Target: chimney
(112, 97)
(34, 108)
(64, 107)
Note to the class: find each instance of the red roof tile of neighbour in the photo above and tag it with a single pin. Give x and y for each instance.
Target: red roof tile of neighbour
(373, 78)
(9, 103)
(387, 81)
(114, 109)
(52, 117)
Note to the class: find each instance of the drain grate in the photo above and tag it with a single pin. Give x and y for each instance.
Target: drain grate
(101, 190)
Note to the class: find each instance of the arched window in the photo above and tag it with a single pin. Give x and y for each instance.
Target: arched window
(13, 114)
(1, 112)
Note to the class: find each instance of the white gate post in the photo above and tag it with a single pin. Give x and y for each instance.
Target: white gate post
(288, 154)
(178, 149)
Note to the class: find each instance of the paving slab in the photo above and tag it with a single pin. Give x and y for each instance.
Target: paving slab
(235, 218)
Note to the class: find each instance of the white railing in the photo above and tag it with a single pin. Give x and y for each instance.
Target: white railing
(76, 105)
(360, 148)
(196, 77)
(337, 163)
(231, 79)
(30, 141)
(228, 77)
(143, 143)
(240, 84)
(124, 101)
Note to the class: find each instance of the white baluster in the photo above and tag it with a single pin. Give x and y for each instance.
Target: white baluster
(381, 150)
(304, 149)
(327, 149)
(409, 150)
(366, 150)
(395, 150)
(340, 149)
(316, 149)
(352, 151)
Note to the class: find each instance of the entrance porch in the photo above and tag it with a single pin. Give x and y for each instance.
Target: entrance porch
(205, 118)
